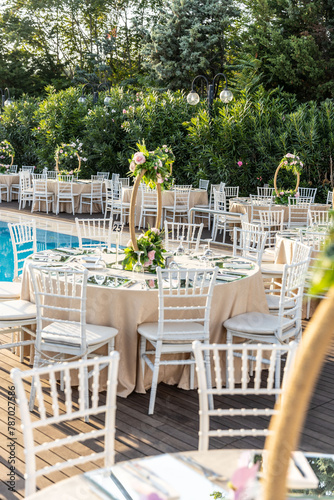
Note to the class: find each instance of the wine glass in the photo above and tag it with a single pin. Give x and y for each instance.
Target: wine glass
(99, 278)
(180, 249)
(208, 252)
(139, 268)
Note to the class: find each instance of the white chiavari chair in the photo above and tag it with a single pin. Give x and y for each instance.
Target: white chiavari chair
(13, 169)
(65, 414)
(329, 200)
(203, 184)
(93, 233)
(115, 203)
(65, 335)
(177, 326)
(149, 207)
(52, 174)
(26, 193)
(253, 358)
(180, 208)
(103, 175)
(95, 195)
(322, 218)
(265, 191)
(249, 243)
(307, 193)
(298, 211)
(64, 192)
(189, 234)
(41, 194)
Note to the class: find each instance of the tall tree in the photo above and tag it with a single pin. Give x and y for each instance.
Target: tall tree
(189, 38)
(294, 41)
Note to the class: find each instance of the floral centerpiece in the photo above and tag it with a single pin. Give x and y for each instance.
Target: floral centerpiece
(292, 164)
(6, 150)
(157, 163)
(69, 154)
(151, 244)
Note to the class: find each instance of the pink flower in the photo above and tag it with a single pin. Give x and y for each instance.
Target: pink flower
(147, 263)
(159, 179)
(151, 283)
(60, 151)
(281, 193)
(151, 254)
(155, 168)
(289, 155)
(139, 158)
(155, 230)
(239, 163)
(242, 478)
(124, 111)
(132, 166)
(71, 172)
(297, 195)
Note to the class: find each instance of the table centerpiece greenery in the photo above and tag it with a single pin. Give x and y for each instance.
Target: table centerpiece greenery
(151, 244)
(6, 150)
(69, 154)
(291, 163)
(157, 165)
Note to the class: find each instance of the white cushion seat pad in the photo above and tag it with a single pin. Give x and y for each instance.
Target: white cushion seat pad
(256, 323)
(95, 334)
(17, 310)
(272, 268)
(173, 331)
(10, 289)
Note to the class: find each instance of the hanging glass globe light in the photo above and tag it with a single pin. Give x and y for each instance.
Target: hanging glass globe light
(82, 99)
(192, 98)
(8, 102)
(107, 100)
(226, 95)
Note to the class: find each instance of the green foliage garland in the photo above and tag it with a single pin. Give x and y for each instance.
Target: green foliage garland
(151, 244)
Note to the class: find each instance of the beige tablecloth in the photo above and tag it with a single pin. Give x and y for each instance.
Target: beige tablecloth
(125, 309)
(8, 179)
(197, 197)
(79, 187)
(244, 207)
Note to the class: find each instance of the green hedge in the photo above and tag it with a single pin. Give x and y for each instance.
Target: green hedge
(257, 129)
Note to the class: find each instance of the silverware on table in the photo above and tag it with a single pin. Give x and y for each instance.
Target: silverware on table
(120, 486)
(210, 474)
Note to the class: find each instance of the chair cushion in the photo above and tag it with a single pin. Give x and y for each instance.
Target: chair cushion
(10, 290)
(273, 302)
(276, 269)
(150, 331)
(16, 310)
(255, 323)
(95, 334)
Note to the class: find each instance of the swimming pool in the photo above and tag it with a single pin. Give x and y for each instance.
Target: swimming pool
(46, 240)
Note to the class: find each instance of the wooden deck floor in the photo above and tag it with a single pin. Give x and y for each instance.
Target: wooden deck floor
(173, 427)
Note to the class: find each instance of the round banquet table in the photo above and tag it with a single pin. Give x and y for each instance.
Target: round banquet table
(125, 308)
(243, 206)
(223, 463)
(8, 180)
(197, 197)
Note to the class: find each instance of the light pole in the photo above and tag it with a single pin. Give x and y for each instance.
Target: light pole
(4, 101)
(212, 89)
(96, 87)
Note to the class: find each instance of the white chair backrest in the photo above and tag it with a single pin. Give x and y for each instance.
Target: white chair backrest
(298, 210)
(13, 169)
(213, 187)
(62, 288)
(39, 176)
(189, 233)
(203, 184)
(115, 177)
(25, 181)
(228, 358)
(149, 198)
(265, 191)
(182, 197)
(231, 191)
(59, 413)
(177, 291)
(250, 244)
(24, 243)
(93, 233)
(125, 181)
(28, 168)
(219, 198)
(103, 175)
(259, 203)
(40, 186)
(319, 218)
(96, 187)
(65, 186)
(307, 192)
(52, 174)
(271, 221)
(249, 226)
(329, 200)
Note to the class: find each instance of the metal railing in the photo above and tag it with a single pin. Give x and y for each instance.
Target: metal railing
(232, 217)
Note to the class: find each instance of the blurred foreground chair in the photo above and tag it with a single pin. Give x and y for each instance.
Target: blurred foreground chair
(54, 415)
(253, 359)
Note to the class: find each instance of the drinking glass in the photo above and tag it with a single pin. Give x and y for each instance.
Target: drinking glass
(180, 249)
(99, 278)
(139, 268)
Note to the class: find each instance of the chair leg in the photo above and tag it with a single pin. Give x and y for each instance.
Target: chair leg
(86, 393)
(278, 371)
(207, 364)
(141, 352)
(155, 376)
(33, 388)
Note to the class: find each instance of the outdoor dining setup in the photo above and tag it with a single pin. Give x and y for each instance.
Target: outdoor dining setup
(194, 287)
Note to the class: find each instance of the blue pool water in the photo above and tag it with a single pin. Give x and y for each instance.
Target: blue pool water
(45, 240)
